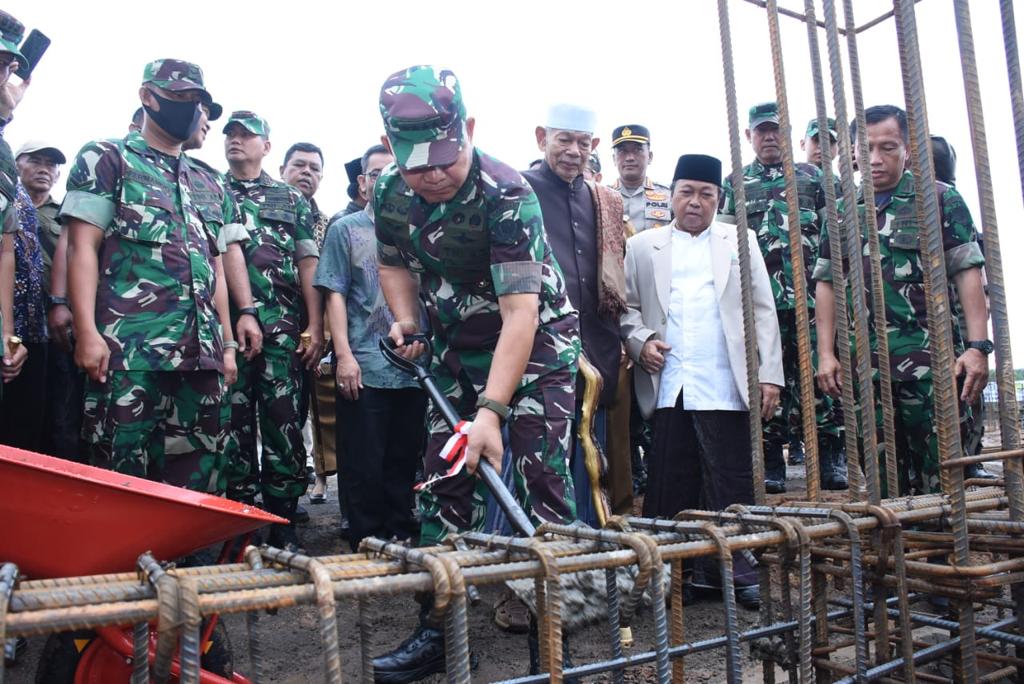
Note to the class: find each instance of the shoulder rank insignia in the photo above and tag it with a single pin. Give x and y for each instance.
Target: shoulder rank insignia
(656, 195)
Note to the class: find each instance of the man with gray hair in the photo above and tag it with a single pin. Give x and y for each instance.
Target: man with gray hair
(585, 226)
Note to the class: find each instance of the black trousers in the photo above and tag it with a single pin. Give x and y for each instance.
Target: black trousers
(24, 401)
(381, 437)
(62, 417)
(701, 459)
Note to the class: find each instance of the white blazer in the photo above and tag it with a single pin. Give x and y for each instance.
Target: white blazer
(648, 287)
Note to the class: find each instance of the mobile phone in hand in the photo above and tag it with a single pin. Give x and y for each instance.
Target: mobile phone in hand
(33, 48)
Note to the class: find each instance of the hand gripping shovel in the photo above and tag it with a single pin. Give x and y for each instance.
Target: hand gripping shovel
(520, 521)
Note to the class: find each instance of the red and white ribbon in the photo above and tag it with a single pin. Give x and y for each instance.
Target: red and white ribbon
(453, 452)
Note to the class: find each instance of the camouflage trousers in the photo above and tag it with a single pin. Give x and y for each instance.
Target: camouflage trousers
(917, 441)
(267, 393)
(539, 436)
(787, 421)
(161, 425)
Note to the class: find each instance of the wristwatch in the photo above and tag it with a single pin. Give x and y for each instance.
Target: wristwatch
(56, 301)
(984, 346)
(500, 409)
(251, 311)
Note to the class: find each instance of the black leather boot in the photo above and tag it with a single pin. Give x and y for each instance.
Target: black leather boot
(774, 468)
(796, 452)
(282, 536)
(419, 655)
(977, 470)
(832, 463)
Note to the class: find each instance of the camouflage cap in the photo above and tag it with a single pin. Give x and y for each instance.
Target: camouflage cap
(424, 117)
(250, 121)
(176, 75)
(11, 33)
(766, 112)
(812, 128)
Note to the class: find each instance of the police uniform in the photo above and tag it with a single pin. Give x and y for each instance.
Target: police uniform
(648, 205)
(268, 389)
(157, 415)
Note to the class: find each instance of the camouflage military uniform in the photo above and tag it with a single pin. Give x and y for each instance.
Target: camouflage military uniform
(906, 319)
(163, 222)
(281, 235)
(486, 242)
(647, 206)
(768, 217)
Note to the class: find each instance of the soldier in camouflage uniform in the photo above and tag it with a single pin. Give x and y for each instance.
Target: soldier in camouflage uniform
(906, 319)
(282, 258)
(11, 32)
(505, 334)
(148, 297)
(768, 217)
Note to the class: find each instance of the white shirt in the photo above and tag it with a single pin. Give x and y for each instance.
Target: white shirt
(698, 363)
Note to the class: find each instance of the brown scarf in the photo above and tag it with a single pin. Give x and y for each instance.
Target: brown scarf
(612, 231)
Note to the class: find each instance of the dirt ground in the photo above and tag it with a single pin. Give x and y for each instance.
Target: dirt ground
(293, 650)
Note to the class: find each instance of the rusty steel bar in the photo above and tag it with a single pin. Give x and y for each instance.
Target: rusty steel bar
(875, 257)
(839, 283)
(851, 231)
(940, 340)
(169, 601)
(254, 645)
(8, 577)
(1009, 413)
(808, 412)
(191, 620)
(325, 604)
(743, 251)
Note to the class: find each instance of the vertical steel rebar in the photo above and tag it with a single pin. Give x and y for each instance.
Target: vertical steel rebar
(1009, 415)
(140, 653)
(947, 424)
(842, 325)
(851, 231)
(875, 257)
(743, 250)
(8, 577)
(808, 414)
(614, 623)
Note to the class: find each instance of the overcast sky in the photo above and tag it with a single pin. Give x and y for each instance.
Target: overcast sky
(314, 70)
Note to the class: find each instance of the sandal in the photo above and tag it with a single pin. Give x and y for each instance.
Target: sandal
(511, 614)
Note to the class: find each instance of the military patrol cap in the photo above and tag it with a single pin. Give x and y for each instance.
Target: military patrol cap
(699, 167)
(812, 128)
(352, 170)
(945, 160)
(766, 112)
(250, 121)
(11, 33)
(35, 146)
(424, 116)
(631, 133)
(177, 75)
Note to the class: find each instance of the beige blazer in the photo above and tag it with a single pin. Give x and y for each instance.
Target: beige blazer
(649, 284)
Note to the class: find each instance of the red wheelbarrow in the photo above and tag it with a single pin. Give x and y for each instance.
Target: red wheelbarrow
(62, 519)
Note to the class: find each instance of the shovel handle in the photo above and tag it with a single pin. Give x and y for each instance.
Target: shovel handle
(516, 515)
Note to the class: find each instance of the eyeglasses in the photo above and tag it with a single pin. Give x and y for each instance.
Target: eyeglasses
(372, 175)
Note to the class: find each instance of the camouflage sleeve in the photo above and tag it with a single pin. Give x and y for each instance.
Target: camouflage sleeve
(94, 185)
(518, 244)
(9, 216)
(234, 229)
(823, 265)
(959, 236)
(305, 243)
(727, 212)
(334, 272)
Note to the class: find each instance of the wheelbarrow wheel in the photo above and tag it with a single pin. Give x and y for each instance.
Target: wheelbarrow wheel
(63, 654)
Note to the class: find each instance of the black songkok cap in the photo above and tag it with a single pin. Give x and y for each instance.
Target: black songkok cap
(353, 169)
(699, 167)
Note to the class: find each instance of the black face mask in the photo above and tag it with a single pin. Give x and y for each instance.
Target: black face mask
(178, 119)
